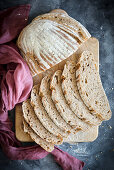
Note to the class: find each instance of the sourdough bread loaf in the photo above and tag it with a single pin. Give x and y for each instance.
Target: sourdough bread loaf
(62, 106)
(43, 143)
(71, 93)
(49, 39)
(36, 125)
(90, 86)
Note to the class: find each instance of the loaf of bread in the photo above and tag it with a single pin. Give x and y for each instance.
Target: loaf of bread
(43, 143)
(62, 106)
(49, 39)
(71, 93)
(90, 86)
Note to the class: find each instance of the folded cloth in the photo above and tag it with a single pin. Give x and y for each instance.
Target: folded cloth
(12, 21)
(16, 80)
(15, 86)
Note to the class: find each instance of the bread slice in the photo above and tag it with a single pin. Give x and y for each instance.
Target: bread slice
(71, 93)
(36, 125)
(90, 86)
(43, 143)
(42, 114)
(49, 105)
(62, 106)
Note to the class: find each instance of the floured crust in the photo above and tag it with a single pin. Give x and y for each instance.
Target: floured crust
(49, 105)
(49, 147)
(71, 93)
(35, 124)
(59, 11)
(90, 86)
(62, 106)
(36, 40)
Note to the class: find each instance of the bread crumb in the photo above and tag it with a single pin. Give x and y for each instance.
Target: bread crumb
(101, 27)
(110, 127)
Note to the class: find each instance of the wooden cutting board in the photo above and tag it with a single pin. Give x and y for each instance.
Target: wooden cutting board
(92, 45)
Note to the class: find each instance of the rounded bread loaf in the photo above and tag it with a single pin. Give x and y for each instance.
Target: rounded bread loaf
(49, 39)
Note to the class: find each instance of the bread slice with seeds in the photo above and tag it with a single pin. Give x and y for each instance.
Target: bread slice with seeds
(71, 93)
(36, 125)
(90, 86)
(43, 143)
(42, 114)
(61, 104)
(49, 105)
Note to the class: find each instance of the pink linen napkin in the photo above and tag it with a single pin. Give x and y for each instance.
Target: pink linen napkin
(15, 86)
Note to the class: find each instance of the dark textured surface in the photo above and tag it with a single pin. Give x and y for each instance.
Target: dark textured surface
(98, 18)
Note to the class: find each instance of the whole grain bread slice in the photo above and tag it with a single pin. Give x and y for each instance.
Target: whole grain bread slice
(62, 106)
(43, 115)
(49, 105)
(71, 93)
(43, 143)
(36, 125)
(90, 86)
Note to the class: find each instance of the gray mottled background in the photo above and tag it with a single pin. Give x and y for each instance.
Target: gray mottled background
(98, 17)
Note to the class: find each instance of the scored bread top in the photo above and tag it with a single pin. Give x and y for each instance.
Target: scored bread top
(49, 105)
(90, 86)
(43, 115)
(43, 143)
(62, 106)
(36, 125)
(72, 96)
(49, 39)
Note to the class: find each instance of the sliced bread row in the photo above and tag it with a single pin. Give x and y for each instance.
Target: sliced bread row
(43, 116)
(36, 125)
(50, 107)
(71, 93)
(60, 105)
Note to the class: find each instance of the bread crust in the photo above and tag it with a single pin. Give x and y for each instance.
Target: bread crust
(36, 40)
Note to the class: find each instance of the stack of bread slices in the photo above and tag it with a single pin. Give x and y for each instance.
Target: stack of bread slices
(65, 103)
